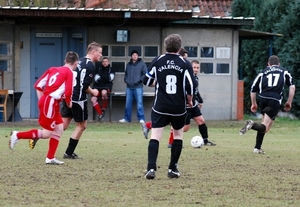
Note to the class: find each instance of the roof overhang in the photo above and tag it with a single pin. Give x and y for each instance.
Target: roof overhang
(251, 34)
(89, 16)
(220, 21)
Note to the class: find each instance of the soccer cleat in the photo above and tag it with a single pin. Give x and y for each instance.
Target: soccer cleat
(53, 161)
(72, 156)
(100, 117)
(142, 121)
(258, 151)
(209, 143)
(13, 140)
(150, 174)
(247, 127)
(123, 121)
(145, 130)
(169, 145)
(32, 143)
(173, 173)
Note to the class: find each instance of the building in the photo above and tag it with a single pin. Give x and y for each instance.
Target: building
(35, 38)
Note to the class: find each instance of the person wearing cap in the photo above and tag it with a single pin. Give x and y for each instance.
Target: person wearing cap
(134, 75)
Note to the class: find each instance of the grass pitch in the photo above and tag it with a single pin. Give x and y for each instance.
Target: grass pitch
(115, 157)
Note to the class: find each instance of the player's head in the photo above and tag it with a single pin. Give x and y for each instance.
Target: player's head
(105, 62)
(72, 59)
(183, 52)
(273, 60)
(94, 51)
(173, 43)
(195, 66)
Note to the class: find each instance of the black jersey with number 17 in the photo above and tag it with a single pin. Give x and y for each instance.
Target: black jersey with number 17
(270, 82)
(173, 83)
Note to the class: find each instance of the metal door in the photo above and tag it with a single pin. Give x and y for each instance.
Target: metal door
(47, 52)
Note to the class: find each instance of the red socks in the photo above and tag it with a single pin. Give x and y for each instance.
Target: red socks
(31, 134)
(97, 108)
(53, 144)
(148, 124)
(171, 137)
(104, 103)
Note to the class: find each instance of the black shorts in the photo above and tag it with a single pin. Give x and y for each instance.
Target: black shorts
(269, 107)
(161, 120)
(191, 113)
(78, 111)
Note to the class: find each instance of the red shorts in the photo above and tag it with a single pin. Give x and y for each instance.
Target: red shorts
(99, 94)
(49, 113)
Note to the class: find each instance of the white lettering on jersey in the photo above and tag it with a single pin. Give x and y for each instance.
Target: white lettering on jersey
(170, 66)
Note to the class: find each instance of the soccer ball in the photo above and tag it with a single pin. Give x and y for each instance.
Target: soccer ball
(197, 142)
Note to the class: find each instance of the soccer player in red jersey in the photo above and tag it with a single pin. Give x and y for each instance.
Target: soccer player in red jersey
(53, 86)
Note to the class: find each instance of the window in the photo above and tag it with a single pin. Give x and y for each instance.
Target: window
(118, 51)
(151, 51)
(206, 68)
(122, 35)
(118, 66)
(192, 51)
(105, 50)
(137, 48)
(215, 60)
(5, 56)
(207, 52)
(3, 65)
(223, 68)
(223, 52)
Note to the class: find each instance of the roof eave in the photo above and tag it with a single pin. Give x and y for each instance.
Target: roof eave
(232, 21)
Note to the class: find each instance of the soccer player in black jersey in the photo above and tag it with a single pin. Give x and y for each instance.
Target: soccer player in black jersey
(269, 84)
(195, 113)
(173, 91)
(85, 73)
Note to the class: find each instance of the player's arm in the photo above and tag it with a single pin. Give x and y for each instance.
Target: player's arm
(41, 82)
(88, 79)
(288, 104)
(254, 89)
(149, 78)
(199, 99)
(94, 92)
(68, 88)
(39, 94)
(189, 87)
(111, 75)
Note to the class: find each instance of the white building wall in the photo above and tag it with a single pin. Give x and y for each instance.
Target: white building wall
(24, 72)
(219, 91)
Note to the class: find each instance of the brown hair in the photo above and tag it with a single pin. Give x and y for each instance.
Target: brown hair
(273, 60)
(182, 51)
(71, 57)
(173, 43)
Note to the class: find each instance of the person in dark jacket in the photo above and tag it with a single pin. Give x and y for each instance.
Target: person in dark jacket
(103, 81)
(134, 75)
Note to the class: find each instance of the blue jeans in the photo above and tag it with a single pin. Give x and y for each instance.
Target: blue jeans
(137, 95)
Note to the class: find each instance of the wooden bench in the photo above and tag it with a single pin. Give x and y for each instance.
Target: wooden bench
(122, 94)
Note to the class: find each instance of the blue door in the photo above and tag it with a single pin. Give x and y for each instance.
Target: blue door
(46, 52)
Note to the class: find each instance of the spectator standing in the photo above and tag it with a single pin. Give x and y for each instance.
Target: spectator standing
(269, 84)
(173, 83)
(103, 82)
(53, 86)
(134, 75)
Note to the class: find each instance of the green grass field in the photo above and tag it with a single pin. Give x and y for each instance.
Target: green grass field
(115, 157)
